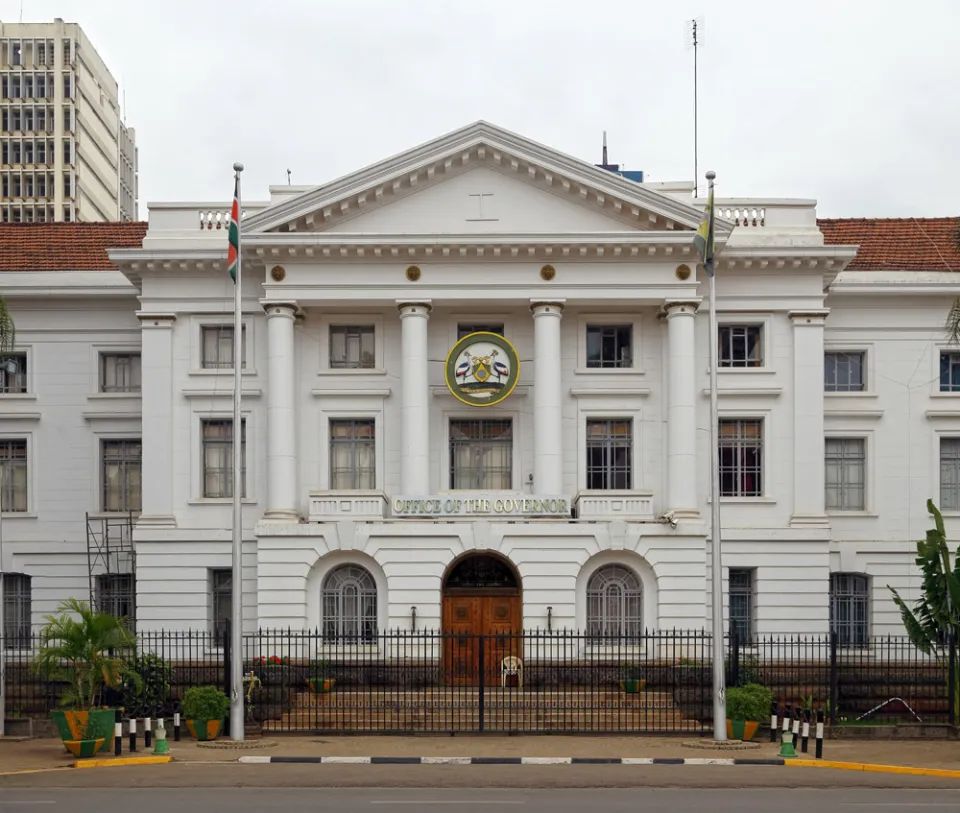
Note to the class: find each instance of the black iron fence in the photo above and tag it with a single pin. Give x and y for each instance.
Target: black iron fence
(537, 681)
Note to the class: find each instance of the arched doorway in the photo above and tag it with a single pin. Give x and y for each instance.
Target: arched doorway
(482, 613)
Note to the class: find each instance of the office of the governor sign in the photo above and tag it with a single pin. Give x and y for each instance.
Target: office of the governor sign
(490, 505)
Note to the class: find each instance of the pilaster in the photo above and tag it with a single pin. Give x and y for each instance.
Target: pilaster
(547, 399)
(681, 496)
(281, 413)
(415, 398)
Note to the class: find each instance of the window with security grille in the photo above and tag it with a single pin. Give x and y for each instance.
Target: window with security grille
(216, 347)
(740, 346)
(353, 454)
(614, 603)
(843, 372)
(950, 372)
(17, 611)
(741, 603)
(479, 327)
(352, 347)
(741, 457)
(481, 455)
(349, 598)
(850, 608)
(221, 594)
(845, 474)
(609, 346)
(218, 458)
(116, 595)
(13, 373)
(122, 466)
(13, 475)
(950, 474)
(120, 372)
(609, 454)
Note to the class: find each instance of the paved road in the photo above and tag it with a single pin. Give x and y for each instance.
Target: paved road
(382, 800)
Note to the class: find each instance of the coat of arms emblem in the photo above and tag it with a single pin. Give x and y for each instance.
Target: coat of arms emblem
(482, 369)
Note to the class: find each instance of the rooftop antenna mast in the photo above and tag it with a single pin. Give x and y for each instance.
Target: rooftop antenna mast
(288, 177)
(604, 147)
(694, 39)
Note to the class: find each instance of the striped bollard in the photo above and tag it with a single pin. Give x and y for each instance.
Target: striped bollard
(796, 727)
(147, 733)
(805, 731)
(787, 714)
(161, 747)
(176, 726)
(773, 721)
(133, 735)
(819, 751)
(117, 737)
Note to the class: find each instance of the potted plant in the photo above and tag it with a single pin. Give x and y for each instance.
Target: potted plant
(89, 650)
(318, 677)
(272, 670)
(746, 707)
(203, 709)
(631, 682)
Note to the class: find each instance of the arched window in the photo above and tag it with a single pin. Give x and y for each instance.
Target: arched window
(614, 603)
(349, 600)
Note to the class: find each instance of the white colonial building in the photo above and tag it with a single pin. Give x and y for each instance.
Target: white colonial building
(554, 471)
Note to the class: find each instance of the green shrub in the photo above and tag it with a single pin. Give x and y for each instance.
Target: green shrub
(751, 702)
(205, 703)
(150, 701)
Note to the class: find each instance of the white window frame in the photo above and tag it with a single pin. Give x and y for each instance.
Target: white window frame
(749, 644)
(98, 350)
(770, 451)
(197, 323)
(196, 454)
(31, 438)
(327, 415)
(634, 321)
(767, 349)
(869, 391)
(101, 470)
(212, 603)
(869, 470)
(608, 408)
(457, 319)
(30, 395)
(96, 467)
(488, 414)
(935, 474)
(351, 320)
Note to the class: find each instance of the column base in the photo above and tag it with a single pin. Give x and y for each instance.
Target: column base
(809, 521)
(156, 521)
(280, 515)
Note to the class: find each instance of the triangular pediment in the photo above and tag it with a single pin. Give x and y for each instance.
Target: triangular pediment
(478, 180)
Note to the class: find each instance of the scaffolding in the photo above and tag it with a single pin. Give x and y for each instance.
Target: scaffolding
(112, 565)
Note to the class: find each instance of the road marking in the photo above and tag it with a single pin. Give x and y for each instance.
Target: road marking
(444, 802)
(34, 802)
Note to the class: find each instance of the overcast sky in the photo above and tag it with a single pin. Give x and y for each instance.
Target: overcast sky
(853, 102)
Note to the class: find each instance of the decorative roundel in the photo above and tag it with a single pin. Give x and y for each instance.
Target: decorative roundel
(683, 272)
(278, 273)
(548, 272)
(413, 273)
(482, 369)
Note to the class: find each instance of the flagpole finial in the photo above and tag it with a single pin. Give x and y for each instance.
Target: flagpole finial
(710, 174)
(238, 167)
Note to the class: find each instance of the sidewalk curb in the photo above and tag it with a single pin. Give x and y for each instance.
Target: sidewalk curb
(116, 762)
(870, 768)
(505, 761)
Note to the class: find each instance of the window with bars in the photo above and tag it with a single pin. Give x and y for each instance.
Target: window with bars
(216, 347)
(481, 455)
(850, 608)
(741, 603)
(950, 474)
(218, 458)
(17, 611)
(741, 457)
(119, 372)
(13, 373)
(116, 594)
(845, 474)
(609, 346)
(353, 454)
(740, 346)
(614, 603)
(609, 454)
(479, 327)
(122, 466)
(843, 372)
(13, 475)
(349, 600)
(221, 599)
(950, 372)
(352, 347)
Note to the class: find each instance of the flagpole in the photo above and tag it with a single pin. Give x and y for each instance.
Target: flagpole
(236, 615)
(716, 579)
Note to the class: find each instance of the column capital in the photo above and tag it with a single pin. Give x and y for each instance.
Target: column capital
(810, 317)
(420, 307)
(282, 307)
(672, 307)
(544, 306)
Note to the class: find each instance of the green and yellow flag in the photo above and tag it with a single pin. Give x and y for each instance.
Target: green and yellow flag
(233, 250)
(703, 239)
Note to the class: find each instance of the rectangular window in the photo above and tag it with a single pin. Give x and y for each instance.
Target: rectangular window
(479, 327)
(353, 455)
(67, 186)
(217, 347)
(41, 54)
(218, 458)
(66, 119)
(850, 608)
(42, 152)
(66, 86)
(351, 347)
(609, 346)
(17, 611)
(41, 91)
(950, 372)
(13, 373)
(28, 86)
(13, 476)
(950, 474)
(481, 455)
(121, 462)
(221, 593)
(66, 152)
(741, 604)
(16, 149)
(119, 372)
(16, 55)
(845, 474)
(16, 118)
(41, 191)
(609, 454)
(116, 595)
(741, 346)
(741, 458)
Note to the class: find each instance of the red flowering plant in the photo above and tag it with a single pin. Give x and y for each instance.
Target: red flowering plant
(273, 660)
(273, 669)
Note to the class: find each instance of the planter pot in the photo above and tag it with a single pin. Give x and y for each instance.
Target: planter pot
(84, 749)
(632, 686)
(96, 724)
(321, 686)
(744, 730)
(204, 730)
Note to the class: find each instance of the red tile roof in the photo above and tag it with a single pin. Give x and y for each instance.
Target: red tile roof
(898, 244)
(65, 246)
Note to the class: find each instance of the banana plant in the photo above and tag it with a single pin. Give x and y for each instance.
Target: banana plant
(8, 331)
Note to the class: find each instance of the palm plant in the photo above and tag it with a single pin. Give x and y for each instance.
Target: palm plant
(8, 330)
(88, 649)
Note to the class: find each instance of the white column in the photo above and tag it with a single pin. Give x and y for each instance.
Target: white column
(681, 497)
(282, 495)
(547, 399)
(156, 361)
(415, 395)
(808, 443)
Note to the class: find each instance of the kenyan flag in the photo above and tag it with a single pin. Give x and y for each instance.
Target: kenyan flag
(233, 252)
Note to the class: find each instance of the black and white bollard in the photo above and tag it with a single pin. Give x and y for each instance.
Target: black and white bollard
(819, 753)
(117, 737)
(176, 726)
(147, 733)
(796, 727)
(133, 735)
(805, 732)
(773, 721)
(787, 714)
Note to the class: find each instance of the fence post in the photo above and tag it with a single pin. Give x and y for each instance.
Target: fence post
(733, 679)
(226, 668)
(483, 669)
(834, 679)
(952, 677)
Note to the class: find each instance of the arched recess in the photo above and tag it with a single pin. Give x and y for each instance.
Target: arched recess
(633, 563)
(322, 570)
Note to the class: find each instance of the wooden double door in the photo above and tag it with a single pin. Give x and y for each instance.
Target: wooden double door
(490, 621)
